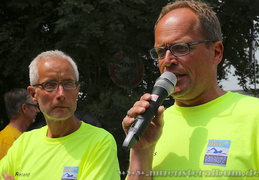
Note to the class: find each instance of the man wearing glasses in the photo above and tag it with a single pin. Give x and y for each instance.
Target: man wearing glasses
(208, 132)
(21, 111)
(66, 148)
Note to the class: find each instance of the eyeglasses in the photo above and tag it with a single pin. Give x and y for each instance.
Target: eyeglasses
(50, 86)
(34, 105)
(180, 49)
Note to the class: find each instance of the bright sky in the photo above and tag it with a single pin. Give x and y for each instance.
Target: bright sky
(232, 82)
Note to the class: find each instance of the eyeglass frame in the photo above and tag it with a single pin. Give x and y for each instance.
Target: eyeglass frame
(189, 44)
(34, 105)
(58, 83)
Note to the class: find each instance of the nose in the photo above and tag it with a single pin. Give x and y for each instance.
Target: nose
(60, 92)
(170, 58)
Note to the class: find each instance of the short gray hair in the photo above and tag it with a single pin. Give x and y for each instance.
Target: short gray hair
(33, 69)
(14, 99)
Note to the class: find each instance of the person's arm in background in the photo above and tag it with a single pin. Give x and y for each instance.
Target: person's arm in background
(141, 155)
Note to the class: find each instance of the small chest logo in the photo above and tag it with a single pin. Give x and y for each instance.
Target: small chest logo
(217, 152)
(70, 173)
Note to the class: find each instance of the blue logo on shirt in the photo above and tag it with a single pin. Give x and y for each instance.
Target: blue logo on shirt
(217, 152)
(70, 173)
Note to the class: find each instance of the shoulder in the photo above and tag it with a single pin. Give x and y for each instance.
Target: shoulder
(96, 133)
(243, 99)
(6, 137)
(32, 135)
(85, 127)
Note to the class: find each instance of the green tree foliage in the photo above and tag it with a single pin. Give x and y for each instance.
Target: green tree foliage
(93, 31)
(240, 25)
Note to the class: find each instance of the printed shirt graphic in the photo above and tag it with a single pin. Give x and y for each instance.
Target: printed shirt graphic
(70, 173)
(217, 152)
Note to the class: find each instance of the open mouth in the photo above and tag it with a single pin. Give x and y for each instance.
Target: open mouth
(179, 75)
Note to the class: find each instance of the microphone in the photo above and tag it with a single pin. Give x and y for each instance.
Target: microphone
(163, 87)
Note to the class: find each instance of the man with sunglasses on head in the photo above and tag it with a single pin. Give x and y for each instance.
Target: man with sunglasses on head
(208, 132)
(21, 111)
(66, 148)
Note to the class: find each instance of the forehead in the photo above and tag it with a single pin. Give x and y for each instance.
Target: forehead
(55, 69)
(179, 25)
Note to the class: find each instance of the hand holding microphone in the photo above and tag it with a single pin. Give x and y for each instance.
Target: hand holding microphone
(163, 87)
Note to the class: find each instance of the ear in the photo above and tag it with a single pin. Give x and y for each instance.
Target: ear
(79, 87)
(23, 107)
(218, 52)
(32, 93)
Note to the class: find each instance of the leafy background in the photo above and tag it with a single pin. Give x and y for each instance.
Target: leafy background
(92, 32)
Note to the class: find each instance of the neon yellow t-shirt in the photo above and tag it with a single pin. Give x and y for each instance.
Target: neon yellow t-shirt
(7, 136)
(88, 153)
(212, 141)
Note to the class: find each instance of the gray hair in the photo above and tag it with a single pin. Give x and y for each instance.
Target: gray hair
(33, 69)
(14, 99)
(209, 25)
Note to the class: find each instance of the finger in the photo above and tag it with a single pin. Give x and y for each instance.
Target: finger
(129, 114)
(7, 176)
(127, 121)
(135, 110)
(146, 97)
(140, 106)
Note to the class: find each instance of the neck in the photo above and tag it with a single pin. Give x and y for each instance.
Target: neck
(19, 124)
(57, 129)
(202, 98)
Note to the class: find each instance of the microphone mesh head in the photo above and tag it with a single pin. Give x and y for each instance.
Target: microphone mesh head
(167, 81)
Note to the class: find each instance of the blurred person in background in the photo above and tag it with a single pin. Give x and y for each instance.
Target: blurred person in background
(21, 111)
